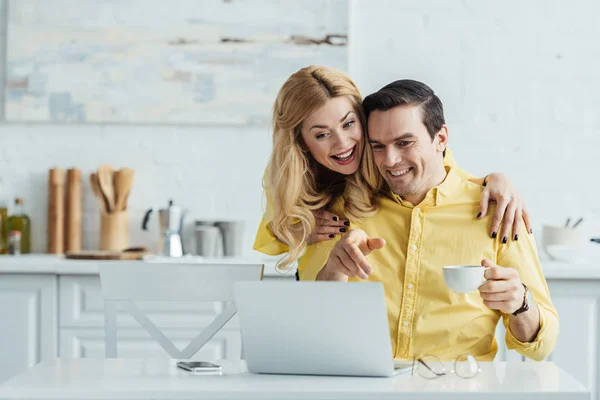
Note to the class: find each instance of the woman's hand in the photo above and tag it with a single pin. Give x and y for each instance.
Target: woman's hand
(328, 225)
(510, 207)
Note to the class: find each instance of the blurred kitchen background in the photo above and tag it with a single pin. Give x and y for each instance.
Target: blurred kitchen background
(181, 92)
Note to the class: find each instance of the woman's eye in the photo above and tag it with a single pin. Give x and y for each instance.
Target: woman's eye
(348, 124)
(321, 136)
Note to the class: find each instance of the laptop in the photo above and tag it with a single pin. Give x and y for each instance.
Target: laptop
(316, 328)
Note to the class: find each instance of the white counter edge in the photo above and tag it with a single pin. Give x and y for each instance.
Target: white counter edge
(58, 265)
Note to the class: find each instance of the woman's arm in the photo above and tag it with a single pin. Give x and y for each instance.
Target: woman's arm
(510, 207)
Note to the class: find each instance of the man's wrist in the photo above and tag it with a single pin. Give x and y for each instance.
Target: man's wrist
(326, 274)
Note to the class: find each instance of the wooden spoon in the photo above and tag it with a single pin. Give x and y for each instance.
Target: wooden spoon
(123, 183)
(105, 177)
(97, 192)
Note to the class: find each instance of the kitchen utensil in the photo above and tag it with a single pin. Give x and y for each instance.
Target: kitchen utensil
(171, 224)
(56, 210)
(105, 178)
(123, 181)
(138, 254)
(73, 226)
(114, 231)
(95, 185)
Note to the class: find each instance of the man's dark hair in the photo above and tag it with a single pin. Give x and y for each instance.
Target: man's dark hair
(407, 92)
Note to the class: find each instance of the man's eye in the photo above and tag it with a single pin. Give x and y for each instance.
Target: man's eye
(403, 143)
(377, 147)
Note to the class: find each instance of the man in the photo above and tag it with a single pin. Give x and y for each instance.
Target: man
(426, 221)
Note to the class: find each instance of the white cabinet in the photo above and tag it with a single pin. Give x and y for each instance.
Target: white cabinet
(576, 352)
(28, 314)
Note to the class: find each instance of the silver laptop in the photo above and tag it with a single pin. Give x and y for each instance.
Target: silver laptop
(315, 328)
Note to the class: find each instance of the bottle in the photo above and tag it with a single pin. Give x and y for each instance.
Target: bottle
(3, 230)
(19, 221)
(14, 243)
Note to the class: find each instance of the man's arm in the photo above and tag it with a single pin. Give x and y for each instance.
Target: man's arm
(505, 292)
(533, 333)
(347, 258)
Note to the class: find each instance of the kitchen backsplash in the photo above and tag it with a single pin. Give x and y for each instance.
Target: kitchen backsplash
(214, 172)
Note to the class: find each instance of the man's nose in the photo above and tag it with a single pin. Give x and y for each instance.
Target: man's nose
(391, 158)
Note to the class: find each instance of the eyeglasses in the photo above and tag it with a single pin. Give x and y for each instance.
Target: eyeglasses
(432, 367)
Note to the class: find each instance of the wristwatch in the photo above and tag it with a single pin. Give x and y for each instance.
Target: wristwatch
(526, 301)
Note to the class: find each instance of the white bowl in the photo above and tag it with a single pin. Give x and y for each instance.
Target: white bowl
(566, 252)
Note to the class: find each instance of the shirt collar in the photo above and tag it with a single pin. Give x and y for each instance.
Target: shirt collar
(437, 195)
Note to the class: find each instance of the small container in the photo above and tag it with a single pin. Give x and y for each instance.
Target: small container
(207, 241)
(14, 243)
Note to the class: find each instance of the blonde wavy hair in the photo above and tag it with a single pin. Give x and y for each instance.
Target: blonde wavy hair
(291, 173)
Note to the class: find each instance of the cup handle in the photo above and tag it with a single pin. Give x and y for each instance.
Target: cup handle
(484, 280)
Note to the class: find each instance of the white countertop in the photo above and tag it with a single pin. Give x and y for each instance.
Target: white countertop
(50, 264)
(161, 379)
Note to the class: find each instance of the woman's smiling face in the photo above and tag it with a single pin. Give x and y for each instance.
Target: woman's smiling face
(334, 136)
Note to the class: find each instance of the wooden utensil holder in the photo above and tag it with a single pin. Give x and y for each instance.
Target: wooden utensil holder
(114, 231)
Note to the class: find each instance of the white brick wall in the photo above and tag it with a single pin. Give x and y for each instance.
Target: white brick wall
(519, 81)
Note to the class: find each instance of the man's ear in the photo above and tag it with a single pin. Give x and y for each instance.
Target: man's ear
(441, 139)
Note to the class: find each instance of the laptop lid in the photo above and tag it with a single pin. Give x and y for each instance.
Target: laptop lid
(315, 328)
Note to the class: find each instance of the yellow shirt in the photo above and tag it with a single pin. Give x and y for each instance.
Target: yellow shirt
(425, 317)
(267, 243)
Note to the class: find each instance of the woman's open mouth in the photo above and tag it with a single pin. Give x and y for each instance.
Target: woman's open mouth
(346, 157)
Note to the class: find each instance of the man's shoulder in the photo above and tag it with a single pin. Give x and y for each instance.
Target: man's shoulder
(466, 192)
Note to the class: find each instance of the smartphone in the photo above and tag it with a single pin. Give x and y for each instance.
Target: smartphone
(199, 366)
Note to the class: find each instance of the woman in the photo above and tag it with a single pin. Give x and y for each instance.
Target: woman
(319, 175)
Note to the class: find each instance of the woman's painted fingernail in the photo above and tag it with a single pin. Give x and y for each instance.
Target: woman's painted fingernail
(516, 237)
(530, 230)
(347, 223)
(332, 236)
(335, 218)
(342, 229)
(504, 239)
(494, 234)
(479, 215)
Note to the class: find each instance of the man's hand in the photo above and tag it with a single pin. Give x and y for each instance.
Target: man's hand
(503, 291)
(348, 256)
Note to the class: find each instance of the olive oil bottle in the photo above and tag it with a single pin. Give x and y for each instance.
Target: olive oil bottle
(19, 221)
(3, 230)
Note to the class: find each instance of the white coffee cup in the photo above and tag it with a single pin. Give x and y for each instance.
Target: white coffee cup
(464, 278)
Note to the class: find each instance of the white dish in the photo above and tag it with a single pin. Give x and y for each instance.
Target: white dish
(568, 253)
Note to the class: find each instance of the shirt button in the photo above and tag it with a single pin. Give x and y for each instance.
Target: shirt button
(414, 247)
(410, 286)
(417, 209)
(405, 323)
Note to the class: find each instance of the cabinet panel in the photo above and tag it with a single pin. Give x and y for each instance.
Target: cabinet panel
(28, 322)
(89, 343)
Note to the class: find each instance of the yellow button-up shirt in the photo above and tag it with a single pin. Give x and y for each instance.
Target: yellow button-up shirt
(267, 243)
(424, 315)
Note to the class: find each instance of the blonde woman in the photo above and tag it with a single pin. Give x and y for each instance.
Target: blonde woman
(320, 174)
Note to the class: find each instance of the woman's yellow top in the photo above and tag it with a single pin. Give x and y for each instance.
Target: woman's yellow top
(267, 243)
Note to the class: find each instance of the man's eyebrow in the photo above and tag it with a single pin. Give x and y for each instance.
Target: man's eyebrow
(407, 135)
